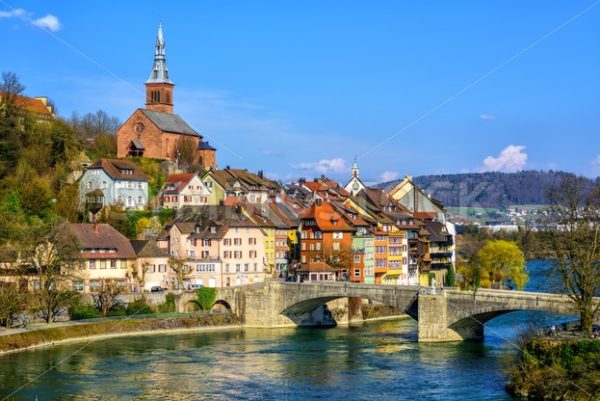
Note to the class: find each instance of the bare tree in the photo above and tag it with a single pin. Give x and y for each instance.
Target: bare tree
(140, 275)
(106, 297)
(91, 125)
(181, 270)
(575, 243)
(55, 259)
(185, 149)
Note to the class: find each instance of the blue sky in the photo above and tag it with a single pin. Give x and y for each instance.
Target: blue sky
(300, 88)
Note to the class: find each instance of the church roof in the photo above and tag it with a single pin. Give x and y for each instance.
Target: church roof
(168, 122)
(203, 145)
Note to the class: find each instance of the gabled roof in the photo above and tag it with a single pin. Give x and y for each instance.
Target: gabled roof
(168, 122)
(246, 180)
(148, 249)
(208, 233)
(194, 218)
(316, 267)
(326, 217)
(32, 104)
(438, 231)
(103, 236)
(177, 182)
(120, 169)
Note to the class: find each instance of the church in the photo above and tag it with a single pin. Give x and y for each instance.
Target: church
(155, 131)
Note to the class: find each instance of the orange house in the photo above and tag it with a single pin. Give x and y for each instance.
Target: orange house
(327, 237)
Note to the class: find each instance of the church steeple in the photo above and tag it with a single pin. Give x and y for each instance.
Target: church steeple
(159, 87)
(355, 170)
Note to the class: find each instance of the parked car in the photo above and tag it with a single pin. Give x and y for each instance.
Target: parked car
(194, 286)
(156, 288)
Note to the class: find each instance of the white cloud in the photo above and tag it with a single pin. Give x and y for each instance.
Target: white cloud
(388, 176)
(596, 161)
(487, 117)
(324, 166)
(48, 22)
(12, 14)
(511, 159)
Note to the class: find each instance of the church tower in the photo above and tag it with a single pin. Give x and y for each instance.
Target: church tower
(355, 170)
(159, 88)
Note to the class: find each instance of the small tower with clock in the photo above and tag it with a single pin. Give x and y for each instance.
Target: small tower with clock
(355, 185)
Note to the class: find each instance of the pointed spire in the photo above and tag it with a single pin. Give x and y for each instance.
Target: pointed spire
(160, 72)
(355, 170)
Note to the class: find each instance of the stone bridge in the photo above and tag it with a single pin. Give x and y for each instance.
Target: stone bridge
(451, 315)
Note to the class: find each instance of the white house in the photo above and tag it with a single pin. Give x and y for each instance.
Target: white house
(185, 189)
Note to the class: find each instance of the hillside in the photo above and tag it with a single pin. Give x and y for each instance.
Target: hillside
(489, 190)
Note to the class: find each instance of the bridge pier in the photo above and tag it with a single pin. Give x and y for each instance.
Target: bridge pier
(435, 324)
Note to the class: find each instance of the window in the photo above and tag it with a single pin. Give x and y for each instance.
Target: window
(78, 286)
(336, 246)
(104, 184)
(140, 185)
(238, 254)
(304, 246)
(237, 241)
(256, 267)
(252, 241)
(139, 199)
(253, 254)
(206, 242)
(356, 272)
(246, 266)
(303, 258)
(162, 268)
(227, 254)
(205, 254)
(356, 258)
(312, 247)
(89, 185)
(227, 269)
(113, 264)
(338, 235)
(227, 241)
(318, 246)
(237, 267)
(102, 264)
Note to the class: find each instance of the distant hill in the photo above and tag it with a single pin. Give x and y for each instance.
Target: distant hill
(491, 190)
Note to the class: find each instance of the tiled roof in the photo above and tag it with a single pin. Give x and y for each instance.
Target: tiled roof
(34, 105)
(103, 237)
(247, 180)
(148, 249)
(168, 122)
(177, 182)
(208, 233)
(316, 267)
(118, 169)
(326, 217)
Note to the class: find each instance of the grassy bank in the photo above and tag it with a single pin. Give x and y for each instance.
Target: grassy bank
(377, 311)
(50, 335)
(549, 369)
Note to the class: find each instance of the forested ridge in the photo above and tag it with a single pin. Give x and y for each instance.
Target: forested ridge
(490, 190)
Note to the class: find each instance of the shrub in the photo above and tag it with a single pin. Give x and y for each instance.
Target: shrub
(206, 297)
(168, 305)
(139, 307)
(83, 311)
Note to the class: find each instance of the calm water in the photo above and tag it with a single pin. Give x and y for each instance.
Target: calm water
(376, 361)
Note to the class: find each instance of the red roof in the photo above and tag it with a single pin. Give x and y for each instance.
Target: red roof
(34, 105)
(102, 236)
(425, 215)
(316, 267)
(315, 186)
(178, 181)
(326, 217)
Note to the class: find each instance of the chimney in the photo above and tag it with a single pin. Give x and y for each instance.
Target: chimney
(260, 174)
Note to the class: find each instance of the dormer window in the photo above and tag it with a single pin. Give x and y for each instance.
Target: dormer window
(213, 229)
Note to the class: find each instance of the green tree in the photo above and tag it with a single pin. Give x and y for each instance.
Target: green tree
(11, 122)
(12, 302)
(501, 260)
(450, 279)
(206, 297)
(575, 244)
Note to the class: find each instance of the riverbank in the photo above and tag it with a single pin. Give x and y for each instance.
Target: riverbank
(557, 369)
(79, 331)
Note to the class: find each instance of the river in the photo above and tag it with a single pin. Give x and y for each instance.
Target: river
(373, 361)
